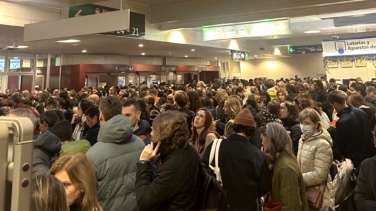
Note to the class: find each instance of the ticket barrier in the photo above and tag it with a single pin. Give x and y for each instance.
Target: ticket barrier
(16, 161)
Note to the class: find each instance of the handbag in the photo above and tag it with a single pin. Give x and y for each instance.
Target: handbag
(314, 198)
(269, 205)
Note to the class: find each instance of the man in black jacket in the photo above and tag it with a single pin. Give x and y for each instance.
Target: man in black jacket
(354, 138)
(244, 172)
(132, 110)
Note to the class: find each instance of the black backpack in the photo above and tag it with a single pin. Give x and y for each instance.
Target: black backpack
(212, 194)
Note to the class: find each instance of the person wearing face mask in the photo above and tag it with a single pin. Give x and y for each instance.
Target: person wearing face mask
(315, 156)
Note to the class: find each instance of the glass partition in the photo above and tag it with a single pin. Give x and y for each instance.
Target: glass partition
(2, 62)
(21, 62)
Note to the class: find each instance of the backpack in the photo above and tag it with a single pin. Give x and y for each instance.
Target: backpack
(212, 194)
(344, 180)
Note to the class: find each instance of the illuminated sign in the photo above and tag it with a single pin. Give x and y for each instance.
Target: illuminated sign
(349, 46)
(239, 55)
(260, 29)
(304, 49)
(124, 68)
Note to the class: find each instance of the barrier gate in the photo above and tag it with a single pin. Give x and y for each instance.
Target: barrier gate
(16, 162)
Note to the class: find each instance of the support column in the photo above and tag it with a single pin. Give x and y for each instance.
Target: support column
(48, 72)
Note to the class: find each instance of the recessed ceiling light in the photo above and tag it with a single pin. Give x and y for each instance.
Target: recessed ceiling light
(17, 46)
(193, 49)
(83, 51)
(69, 41)
(215, 58)
(140, 45)
(143, 54)
(312, 32)
(186, 56)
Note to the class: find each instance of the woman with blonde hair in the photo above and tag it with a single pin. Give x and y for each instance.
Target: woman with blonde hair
(77, 175)
(287, 180)
(47, 193)
(315, 156)
(221, 96)
(231, 107)
(203, 132)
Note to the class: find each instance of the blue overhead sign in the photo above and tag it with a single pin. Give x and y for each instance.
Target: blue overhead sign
(350, 46)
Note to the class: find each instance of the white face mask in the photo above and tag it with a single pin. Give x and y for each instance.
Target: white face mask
(306, 129)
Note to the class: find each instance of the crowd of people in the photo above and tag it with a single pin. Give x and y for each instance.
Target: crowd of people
(135, 148)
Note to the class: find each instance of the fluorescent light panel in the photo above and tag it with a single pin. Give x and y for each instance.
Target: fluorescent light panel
(69, 41)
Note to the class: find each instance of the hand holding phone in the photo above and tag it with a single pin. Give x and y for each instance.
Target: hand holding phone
(150, 152)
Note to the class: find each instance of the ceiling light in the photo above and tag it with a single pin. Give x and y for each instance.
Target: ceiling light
(69, 41)
(83, 51)
(277, 52)
(17, 46)
(215, 58)
(312, 32)
(140, 45)
(193, 49)
(142, 54)
(186, 56)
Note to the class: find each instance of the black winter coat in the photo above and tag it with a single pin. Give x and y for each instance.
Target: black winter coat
(245, 175)
(365, 190)
(354, 135)
(174, 186)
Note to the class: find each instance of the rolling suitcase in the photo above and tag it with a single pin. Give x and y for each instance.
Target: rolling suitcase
(16, 161)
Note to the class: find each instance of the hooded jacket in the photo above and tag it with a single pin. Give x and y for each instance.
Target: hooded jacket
(315, 157)
(46, 146)
(114, 158)
(143, 131)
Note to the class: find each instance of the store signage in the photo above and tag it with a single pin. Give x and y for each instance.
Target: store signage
(137, 20)
(259, 29)
(124, 68)
(304, 49)
(168, 68)
(239, 55)
(350, 46)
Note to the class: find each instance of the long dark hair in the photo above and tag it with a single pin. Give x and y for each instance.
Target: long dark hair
(208, 128)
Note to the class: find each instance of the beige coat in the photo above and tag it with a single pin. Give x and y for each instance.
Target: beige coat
(315, 158)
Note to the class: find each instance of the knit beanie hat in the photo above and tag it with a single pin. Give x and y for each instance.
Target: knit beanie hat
(245, 118)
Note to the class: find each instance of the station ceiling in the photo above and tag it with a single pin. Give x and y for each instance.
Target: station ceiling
(334, 18)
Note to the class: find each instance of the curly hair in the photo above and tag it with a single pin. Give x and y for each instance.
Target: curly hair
(171, 129)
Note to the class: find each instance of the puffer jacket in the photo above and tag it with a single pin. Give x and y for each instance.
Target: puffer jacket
(115, 158)
(46, 147)
(315, 158)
